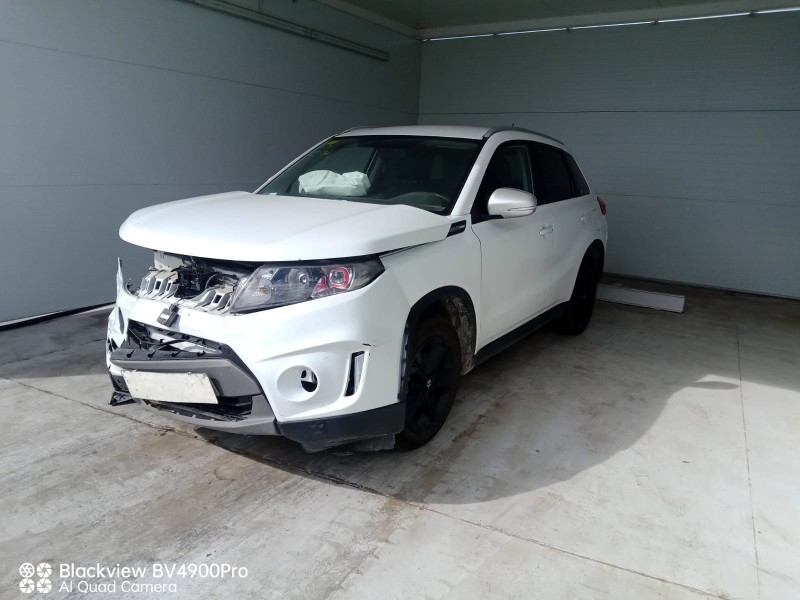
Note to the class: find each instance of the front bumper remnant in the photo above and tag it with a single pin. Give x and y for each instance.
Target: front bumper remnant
(320, 434)
(242, 405)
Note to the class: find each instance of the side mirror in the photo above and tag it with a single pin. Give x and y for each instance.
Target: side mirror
(508, 202)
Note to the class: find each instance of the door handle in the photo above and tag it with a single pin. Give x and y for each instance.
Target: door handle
(546, 230)
(584, 217)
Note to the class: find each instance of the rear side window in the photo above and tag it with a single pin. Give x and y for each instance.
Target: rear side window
(551, 177)
(578, 182)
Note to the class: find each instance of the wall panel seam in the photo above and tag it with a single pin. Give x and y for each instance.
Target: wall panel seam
(207, 76)
(748, 203)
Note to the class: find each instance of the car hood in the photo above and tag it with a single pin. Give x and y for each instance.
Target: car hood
(254, 227)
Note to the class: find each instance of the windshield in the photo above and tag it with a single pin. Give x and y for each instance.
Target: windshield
(426, 173)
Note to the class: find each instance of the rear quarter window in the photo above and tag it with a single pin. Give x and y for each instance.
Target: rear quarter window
(578, 181)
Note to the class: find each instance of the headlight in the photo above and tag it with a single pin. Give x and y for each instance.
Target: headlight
(278, 285)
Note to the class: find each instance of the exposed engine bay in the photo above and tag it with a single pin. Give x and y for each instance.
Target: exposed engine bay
(197, 283)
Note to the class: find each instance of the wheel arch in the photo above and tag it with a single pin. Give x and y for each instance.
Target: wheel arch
(597, 251)
(455, 304)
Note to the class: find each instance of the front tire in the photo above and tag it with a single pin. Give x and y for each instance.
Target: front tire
(431, 380)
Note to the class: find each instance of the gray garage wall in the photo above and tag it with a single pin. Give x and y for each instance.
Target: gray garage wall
(107, 106)
(690, 131)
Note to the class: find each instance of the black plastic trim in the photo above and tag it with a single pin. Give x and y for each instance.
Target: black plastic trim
(320, 434)
(457, 227)
(228, 378)
(351, 372)
(483, 218)
(523, 331)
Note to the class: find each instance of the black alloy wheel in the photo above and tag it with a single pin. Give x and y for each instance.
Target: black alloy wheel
(431, 381)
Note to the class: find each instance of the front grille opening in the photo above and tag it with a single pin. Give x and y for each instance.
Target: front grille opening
(230, 408)
(148, 337)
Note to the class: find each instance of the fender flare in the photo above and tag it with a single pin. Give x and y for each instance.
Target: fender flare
(466, 325)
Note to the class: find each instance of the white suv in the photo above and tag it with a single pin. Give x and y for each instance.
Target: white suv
(343, 299)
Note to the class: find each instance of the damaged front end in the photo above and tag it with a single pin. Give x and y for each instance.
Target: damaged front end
(133, 346)
(262, 349)
(197, 283)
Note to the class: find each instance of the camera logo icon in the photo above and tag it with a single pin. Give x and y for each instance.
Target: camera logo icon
(42, 584)
(43, 570)
(26, 570)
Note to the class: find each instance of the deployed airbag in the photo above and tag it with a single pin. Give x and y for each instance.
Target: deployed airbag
(329, 183)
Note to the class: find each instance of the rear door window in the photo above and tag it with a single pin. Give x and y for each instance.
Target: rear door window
(551, 177)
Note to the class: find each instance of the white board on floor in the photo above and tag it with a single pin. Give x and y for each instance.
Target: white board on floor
(657, 300)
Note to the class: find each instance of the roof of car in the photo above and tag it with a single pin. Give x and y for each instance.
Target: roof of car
(447, 131)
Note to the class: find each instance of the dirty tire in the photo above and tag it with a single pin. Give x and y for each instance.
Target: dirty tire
(431, 381)
(581, 304)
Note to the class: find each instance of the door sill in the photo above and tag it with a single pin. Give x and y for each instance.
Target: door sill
(509, 339)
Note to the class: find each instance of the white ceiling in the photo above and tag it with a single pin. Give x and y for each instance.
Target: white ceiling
(429, 18)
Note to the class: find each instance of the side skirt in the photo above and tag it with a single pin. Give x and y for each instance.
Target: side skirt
(523, 331)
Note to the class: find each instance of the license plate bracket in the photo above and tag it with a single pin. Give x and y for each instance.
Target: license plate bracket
(182, 388)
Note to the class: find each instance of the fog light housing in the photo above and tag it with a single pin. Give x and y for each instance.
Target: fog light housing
(308, 379)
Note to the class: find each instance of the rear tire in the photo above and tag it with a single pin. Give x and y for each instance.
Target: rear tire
(581, 304)
(431, 380)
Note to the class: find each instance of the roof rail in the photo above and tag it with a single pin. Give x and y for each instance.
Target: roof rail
(494, 130)
(353, 129)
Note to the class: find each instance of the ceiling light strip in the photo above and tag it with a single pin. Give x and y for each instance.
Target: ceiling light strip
(703, 18)
(612, 25)
(530, 31)
(772, 11)
(767, 11)
(460, 37)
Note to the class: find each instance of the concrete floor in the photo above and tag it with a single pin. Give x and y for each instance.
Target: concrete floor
(656, 456)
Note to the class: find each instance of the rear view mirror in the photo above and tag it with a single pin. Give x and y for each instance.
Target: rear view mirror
(508, 202)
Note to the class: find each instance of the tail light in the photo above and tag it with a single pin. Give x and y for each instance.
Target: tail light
(602, 205)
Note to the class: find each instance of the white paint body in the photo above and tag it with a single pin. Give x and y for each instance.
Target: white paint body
(509, 268)
(251, 227)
